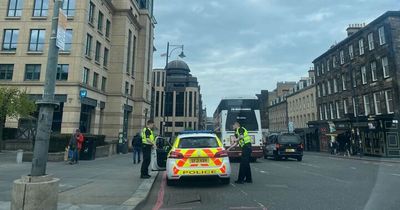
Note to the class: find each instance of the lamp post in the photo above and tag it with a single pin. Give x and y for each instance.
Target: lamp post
(167, 55)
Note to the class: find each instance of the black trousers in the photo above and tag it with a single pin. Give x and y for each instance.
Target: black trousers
(146, 150)
(244, 170)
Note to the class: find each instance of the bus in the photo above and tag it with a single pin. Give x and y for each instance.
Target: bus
(247, 112)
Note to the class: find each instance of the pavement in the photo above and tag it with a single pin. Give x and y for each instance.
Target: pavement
(104, 183)
(357, 157)
(318, 182)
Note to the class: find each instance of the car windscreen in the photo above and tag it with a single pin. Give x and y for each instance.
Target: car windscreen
(289, 139)
(198, 142)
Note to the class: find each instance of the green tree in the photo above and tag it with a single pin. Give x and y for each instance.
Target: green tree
(14, 103)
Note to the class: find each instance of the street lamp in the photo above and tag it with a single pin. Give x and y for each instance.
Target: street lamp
(167, 55)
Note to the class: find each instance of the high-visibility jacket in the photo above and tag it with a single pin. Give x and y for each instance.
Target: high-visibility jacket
(246, 138)
(144, 137)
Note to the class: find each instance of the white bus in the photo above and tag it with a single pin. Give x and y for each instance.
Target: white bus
(247, 112)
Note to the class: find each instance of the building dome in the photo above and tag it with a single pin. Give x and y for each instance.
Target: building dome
(177, 67)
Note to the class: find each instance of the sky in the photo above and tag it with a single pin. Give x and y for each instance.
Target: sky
(240, 47)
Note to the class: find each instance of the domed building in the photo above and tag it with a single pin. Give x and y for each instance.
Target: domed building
(177, 94)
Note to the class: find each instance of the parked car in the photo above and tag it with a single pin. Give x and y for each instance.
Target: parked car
(285, 145)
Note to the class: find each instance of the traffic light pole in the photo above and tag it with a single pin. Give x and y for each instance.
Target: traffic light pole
(47, 104)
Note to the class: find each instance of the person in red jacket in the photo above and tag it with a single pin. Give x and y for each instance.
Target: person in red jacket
(75, 144)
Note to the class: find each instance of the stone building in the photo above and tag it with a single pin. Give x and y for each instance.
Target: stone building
(177, 99)
(278, 118)
(263, 103)
(108, 53)
(358, 89)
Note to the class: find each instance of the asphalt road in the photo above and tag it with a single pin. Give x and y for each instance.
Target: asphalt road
(318, 182)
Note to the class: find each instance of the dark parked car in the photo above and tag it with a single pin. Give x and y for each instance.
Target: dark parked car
(286, 145)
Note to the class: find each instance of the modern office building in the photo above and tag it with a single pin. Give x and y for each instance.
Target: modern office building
(358, 87)
(177, 99)
(108, 53)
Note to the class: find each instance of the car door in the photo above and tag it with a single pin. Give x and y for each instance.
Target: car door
(160, 154)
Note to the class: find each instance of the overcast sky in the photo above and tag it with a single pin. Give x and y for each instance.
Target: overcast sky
(239, 47)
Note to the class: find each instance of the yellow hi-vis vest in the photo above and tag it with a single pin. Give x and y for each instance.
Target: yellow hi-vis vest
(246, 138)
(144, 139)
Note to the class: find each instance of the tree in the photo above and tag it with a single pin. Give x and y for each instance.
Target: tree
(14, 103)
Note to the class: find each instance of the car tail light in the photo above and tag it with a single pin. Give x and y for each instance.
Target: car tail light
(301, 146)
(220, 154)
(176, 155)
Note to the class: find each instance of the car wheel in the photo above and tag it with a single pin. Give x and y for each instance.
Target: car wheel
(225, 181)
(171, 182)
(286, 158)
(265, 156)
(276, 157)
(300, 158)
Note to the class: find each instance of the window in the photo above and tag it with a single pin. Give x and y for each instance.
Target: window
(385, 67)
(62, 72)
(325, 111)
(389, 101)
(377, 102)
(361, 46)
(337, 109)
(341, 57)
(354, 107)
(128, 62)
(97, 52)
(323, 89)
(343, 81)
(373, 71)
(40, 8)
(100, 19)
(95, 80)
(382, 38)
(88, 50)
(108, 28)
(6, 71)
(10, 39)
(317, 70)
(131, 93)
(32, 72)
(327, 65)
(354, 79)
(14, 8)
(334, 61)
(36, 41)
(69, 7)
(319, 90)
(322, 69)
(126, 88)
(329, 87)
(103, 84)
(364, 75)
(106, 55)
(91, 12)
(320, 113)
(345, 105)
(335, 88)
(68, 40)
(367, 109)
(133, 54)
(351, 52)
(371, 41)
(331, 111)
(85, 76)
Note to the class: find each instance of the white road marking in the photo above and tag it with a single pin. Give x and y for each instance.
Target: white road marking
(354, 168)
(310, 165)
(264, 172)
(327, 177)
(245, 193)
(395, 174)
(390, 165)
(277, 186)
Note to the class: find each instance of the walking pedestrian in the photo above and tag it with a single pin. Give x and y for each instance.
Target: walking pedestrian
(137, 147)
(148, 144)
(244, 141)
(75, 144)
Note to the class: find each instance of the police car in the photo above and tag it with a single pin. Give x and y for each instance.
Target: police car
(195, 154)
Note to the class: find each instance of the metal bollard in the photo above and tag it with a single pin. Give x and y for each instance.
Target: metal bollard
(20, 154)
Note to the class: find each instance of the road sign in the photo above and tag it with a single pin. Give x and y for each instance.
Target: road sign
(61, 30)
(83, 93)
(291, 127)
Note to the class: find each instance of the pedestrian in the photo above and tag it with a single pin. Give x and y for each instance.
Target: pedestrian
(244, 141)
(75, 144)
(137, 147)
(147, 145)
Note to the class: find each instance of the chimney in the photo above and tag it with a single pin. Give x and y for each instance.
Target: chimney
(353, 28)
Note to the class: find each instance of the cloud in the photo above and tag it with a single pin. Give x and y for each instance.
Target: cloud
(238, 47)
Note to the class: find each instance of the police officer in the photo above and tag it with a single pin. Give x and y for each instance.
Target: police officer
(148, 144)
(244, 141)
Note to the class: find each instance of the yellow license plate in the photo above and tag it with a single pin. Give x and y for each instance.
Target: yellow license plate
(289, 150)
(199, 160)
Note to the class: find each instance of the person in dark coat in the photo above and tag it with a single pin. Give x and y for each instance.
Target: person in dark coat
(137, 147)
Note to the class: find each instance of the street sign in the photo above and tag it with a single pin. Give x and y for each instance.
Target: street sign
(291, 127)
(61, 30)
(83, 93)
